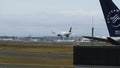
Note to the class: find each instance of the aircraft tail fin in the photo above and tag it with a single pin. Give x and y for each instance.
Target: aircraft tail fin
(70, 29)
(112, 16)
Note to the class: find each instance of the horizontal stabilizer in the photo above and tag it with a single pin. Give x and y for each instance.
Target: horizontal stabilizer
(112, 41)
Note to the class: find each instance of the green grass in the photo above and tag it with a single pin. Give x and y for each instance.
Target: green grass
(47, 50)
(33, 44)
(35, 61)
(44, 47)
(38, 47)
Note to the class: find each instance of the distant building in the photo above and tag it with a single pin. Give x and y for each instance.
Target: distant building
(40, 39)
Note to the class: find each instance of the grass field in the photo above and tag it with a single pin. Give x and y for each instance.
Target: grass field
(35, 61)
(40, 47)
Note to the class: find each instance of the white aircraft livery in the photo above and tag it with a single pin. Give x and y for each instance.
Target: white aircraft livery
(112, 17)
(66, 34)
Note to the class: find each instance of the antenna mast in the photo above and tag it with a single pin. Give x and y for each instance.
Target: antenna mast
(92, 41)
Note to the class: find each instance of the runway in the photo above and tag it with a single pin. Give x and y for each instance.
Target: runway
(15, 53)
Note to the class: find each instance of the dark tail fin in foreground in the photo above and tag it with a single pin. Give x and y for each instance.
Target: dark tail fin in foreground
(112, 16)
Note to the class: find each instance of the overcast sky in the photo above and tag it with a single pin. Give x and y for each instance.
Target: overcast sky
(41, 17)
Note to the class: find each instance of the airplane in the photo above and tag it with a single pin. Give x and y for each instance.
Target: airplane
(112, 17)
(66, 34)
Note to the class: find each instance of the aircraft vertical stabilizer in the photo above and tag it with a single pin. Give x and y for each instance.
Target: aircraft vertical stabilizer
(112, 16)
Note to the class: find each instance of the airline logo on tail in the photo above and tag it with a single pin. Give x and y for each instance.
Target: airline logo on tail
(114, 18)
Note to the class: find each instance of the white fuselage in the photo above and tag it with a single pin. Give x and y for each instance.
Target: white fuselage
(64, 33)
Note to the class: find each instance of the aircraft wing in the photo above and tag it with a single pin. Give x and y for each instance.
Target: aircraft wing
(97, 38)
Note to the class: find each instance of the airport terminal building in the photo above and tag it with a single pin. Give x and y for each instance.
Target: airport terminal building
(41, 39)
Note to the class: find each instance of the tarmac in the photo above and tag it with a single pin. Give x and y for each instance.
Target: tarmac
(15, 53)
